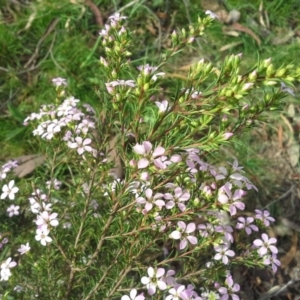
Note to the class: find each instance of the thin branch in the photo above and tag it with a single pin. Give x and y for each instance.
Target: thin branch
(95, 10)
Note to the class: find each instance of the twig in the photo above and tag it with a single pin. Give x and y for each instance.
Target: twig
(50, 28)
(104, 276)
(275, 291)
(130, 4)
(281, 197)
(95, 10)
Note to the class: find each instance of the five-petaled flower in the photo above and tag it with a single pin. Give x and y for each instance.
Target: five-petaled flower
(264, 216)
(154, 280)
(273, 261)
(230, 289)
(45, 218)
(265, 244)
(175, 293)
(223, 253)
(42, 236)
(183, 233)
(5, 269)
(24, 249)
(13, 210)
(81, 145)
(246, 224)
(133, 296)
(59, 81)
(9, 190)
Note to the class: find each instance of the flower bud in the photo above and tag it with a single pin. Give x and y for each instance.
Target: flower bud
(270, 70)
(227, 135)
(114, 74)
(146, 87)
(196, 201)
(280, 72)
(140, 80)
(132, 163)
(270, 82)
(253, 76)
(266, 62)
(247, 86)
(103, 61)
(224, 119)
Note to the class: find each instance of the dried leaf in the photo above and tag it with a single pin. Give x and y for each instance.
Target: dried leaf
(229, 46)
(240, 27)
(27, 164)
(294, 153)
(291, 110)
(289, 256)
(278, 40)
(115, 157)
(233, 17)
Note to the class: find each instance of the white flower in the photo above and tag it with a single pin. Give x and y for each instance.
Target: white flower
(24, 249)
(154, 280)
(81, 145)
(9, 190)
(5, 269)
(42, 236)
(211, 14)
(5, 274)
(117, 17)
(133, 296)
(8, 264)
(175, 293)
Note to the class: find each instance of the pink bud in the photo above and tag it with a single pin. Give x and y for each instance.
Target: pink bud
(227, 135)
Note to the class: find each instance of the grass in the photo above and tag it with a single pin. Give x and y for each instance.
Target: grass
(64, 36)
(70, 49)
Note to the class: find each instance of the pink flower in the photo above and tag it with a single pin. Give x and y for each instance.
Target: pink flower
(162, 106)
(227, 135)
(44, 219)
(272, 260)
(246, 224)
(223, 253)
(13, 210)
(145, 149)
(59, 81)
(150, 200)
(183, 234)
(230, 289)
(264, 216)
(265, 244)
(175, 293)
(24, 249)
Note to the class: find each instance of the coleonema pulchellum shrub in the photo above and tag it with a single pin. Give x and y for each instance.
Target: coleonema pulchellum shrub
(126, 205)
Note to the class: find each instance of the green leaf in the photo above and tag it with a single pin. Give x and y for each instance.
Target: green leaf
(15, 113)
(13, 133)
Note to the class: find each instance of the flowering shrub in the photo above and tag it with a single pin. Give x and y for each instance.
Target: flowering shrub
(127, 205)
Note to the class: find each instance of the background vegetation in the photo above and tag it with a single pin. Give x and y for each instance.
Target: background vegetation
(40, 40)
